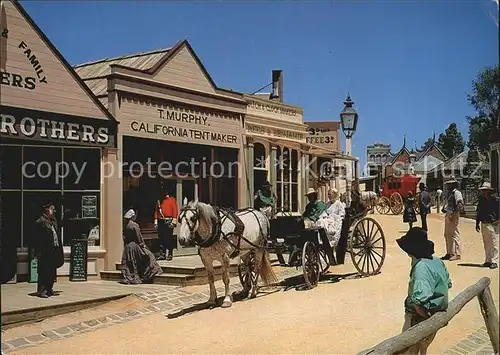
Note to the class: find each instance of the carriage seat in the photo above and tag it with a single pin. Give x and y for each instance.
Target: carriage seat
(286, 226)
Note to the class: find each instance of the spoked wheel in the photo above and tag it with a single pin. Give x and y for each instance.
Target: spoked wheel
(247, 272)
(367, 246)
(383, 205)
(396, 203)
(324, 264)
(310, 264)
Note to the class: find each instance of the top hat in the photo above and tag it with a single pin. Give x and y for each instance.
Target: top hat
(486, 186)
(310, 191)
(421, 185)
(266, 184)
(415, 243)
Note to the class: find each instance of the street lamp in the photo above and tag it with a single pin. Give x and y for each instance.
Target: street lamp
(349, 120)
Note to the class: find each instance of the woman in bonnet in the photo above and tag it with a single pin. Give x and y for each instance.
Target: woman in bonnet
(138, 262)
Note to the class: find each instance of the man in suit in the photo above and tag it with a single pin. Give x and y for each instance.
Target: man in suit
(424, 204)
(48, 250)
(165, 221)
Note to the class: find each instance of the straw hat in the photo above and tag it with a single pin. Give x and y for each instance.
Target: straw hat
(486, 186)
(310, 191)
(451, 180)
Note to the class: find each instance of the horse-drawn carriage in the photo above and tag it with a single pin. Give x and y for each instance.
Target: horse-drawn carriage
(364, 236)
(391, 199)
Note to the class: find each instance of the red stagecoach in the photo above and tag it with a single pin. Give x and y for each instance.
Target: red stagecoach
(394, 190)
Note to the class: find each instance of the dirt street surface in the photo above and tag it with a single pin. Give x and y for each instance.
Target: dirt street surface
(341, 317)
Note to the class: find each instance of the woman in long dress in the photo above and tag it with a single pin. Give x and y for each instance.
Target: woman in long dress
(138, 262)
(331, 219)
(409, 214)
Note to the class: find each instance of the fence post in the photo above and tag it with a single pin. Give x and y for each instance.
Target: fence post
(490, 317)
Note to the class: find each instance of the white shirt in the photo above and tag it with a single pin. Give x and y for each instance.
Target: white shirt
(457, 195)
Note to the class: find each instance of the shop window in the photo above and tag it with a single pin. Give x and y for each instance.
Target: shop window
(11, 216)
(11, 161)
(85, 168)
(41, 165)
(81, 216)
(32, 210)
(287, 172)
(259, 154)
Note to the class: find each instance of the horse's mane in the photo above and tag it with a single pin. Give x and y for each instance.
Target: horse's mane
(206, 215)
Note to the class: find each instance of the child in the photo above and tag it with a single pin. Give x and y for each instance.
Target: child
(428, 286)
(409, 214)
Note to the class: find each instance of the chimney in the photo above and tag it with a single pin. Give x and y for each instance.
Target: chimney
(277, 93)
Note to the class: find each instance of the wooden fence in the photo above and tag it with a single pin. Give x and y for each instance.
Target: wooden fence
(415, 334)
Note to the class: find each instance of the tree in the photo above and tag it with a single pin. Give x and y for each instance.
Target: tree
(485, 98)
(427, 144)
(451, 141)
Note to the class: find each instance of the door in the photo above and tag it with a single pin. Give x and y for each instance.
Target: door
(187, 190)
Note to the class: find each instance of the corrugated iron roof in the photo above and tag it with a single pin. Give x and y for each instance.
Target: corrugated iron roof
(141, 61)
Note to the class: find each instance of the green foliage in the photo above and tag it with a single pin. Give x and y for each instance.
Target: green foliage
(485, 98)
(451, 142)
(427, 144)
(473, 172)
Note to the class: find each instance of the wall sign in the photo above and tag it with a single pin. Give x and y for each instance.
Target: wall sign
(45, 126)
(324, 134)
(276, 132)
(269, 107)
(89, 206)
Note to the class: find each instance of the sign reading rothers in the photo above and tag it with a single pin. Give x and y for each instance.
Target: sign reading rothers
(324, 134)
(182, 124)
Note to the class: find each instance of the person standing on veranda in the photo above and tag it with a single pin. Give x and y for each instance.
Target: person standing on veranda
(454, 204)
(166, 213)
(424, 204)
(487, 222)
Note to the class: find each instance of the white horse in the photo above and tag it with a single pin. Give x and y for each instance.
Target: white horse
(218, 237)
(369, 198)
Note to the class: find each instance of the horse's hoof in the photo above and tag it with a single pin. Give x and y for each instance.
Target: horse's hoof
(226, 304)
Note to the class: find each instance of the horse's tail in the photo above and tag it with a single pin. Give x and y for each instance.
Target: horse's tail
(266, 270)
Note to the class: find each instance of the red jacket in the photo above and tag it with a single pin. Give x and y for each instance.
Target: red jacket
(168, 208)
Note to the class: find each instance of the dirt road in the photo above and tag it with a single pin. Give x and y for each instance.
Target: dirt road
(337, 318)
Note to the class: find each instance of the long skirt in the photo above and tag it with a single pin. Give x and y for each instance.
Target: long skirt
(409, 215)
(139, 265)
(333, 227)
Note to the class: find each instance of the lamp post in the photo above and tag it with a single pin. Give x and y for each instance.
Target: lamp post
(349, 121)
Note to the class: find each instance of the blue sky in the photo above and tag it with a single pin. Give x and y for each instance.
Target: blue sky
(407, 64)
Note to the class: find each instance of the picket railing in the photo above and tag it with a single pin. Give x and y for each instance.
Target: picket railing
(417, 333)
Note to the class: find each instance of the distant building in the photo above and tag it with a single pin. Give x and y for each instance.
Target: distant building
(377, 157)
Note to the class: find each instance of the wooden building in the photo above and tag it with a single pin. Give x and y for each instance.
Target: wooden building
(55, 138)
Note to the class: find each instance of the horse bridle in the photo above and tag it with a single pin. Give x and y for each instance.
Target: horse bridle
(182, 216)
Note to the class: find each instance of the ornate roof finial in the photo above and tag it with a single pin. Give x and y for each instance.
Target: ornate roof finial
(404, 141)
(433, 136)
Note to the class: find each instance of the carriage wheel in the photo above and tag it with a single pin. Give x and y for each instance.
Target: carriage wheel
(247, 272)
(324, 263)
(396, 203)
(310, 264)
(367, 246)
(417, 204)
(383, 205)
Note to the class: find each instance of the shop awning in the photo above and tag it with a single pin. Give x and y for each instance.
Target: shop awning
(319, 151)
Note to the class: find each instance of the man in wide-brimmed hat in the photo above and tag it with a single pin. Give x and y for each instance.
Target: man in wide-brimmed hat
(428, 286)
(487, 222)
(314, 208)
(454, 204)
(265, 199)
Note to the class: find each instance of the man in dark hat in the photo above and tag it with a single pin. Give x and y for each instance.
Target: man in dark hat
(166, 213)
(48, 250)
(424, 204)
(428, 286)
(265, 199)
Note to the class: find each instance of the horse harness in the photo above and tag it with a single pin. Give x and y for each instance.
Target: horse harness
(217, 233)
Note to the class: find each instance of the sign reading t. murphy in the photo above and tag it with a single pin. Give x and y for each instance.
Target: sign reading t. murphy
(20, 123)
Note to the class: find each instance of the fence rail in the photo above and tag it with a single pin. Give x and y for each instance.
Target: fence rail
(415, 334)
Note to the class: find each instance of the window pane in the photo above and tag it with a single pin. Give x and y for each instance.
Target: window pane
(81, 216)
(286, 197)
(10, 159)
(294, 159)
(84, 169)
(278, 164)
(259, 154)
(226, 192)
(295, 197)
(11, 216)
(40, 171)
(32, 206)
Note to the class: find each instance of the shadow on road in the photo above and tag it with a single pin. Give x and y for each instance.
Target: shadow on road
(297, 282)
(471, 265)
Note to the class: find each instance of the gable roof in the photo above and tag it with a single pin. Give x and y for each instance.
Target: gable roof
(145, 62)
(62, 60)
(423, 153)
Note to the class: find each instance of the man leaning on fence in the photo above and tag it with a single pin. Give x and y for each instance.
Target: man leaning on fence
(428, 286)
(487, 222)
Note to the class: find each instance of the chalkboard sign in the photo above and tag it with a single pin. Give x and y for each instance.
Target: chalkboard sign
(78, 259)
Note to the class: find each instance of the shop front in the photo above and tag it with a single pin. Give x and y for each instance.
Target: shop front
(55, 137)
(179, 133)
